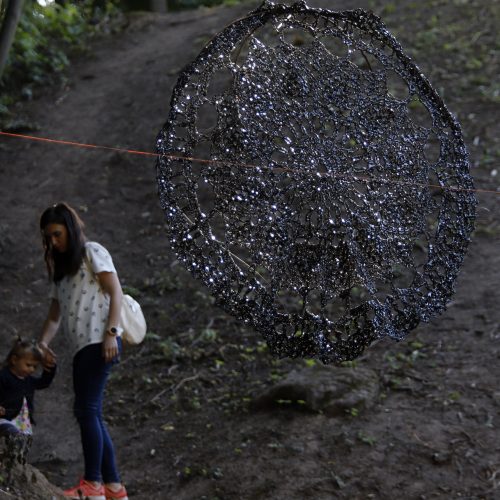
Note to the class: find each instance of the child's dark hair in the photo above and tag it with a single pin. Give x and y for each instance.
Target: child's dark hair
(68, 263)
(23, 348)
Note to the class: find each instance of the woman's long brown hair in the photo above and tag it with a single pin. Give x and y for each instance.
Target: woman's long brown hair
(67, 263)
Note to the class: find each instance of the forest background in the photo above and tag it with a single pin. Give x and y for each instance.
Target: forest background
(38, 37)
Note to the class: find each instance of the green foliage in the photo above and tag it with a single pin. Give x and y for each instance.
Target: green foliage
(389, 8)
(353, 412)
(208, 335)
(366, 439)
(170, 349)
(349, 364)
(45, 38)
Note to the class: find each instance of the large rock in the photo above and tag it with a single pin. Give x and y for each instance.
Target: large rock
(331, 390)
(24, 482)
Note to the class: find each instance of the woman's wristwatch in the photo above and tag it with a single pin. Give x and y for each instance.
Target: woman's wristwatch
(114, 331)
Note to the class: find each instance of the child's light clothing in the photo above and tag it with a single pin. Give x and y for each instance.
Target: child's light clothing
(22, 421)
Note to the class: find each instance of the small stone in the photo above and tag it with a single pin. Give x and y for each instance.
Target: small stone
(441, 457)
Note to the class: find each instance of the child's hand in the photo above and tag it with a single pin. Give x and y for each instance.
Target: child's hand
(2, 411)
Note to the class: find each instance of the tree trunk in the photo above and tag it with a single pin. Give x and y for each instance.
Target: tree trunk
(9, 25)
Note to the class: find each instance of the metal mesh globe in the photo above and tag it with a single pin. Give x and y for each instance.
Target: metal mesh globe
(314, 181)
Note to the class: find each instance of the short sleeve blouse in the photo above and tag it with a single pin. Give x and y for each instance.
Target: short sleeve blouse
(83, 304)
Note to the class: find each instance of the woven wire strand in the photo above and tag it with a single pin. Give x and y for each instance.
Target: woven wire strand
(336, 208)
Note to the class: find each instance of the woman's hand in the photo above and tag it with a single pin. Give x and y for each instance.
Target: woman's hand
(48, 332)
(2, 411)
(49, 356)
(109, 347)
(111, 286)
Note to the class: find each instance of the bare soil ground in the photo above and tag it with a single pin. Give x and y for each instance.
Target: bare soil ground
(179, 406)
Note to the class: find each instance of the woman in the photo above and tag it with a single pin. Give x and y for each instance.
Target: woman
(86, 298)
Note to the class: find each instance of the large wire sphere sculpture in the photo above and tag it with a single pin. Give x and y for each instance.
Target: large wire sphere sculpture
(314, 181)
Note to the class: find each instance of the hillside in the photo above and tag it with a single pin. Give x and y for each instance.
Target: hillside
(181, 406)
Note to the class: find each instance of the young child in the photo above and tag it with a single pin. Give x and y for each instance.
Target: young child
(17, 388)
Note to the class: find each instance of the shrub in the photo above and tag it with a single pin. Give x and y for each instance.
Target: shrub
(47, 35)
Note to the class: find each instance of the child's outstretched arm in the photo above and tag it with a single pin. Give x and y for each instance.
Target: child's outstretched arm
(46, 378)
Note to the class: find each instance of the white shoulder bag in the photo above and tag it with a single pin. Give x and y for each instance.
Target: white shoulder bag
(132, 318)
(132, 321)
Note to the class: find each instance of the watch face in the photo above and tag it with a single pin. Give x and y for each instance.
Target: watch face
(113, 330)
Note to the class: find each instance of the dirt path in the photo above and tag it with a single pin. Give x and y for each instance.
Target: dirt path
(178, 406)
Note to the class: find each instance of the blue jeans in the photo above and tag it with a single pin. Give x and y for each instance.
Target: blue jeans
(90, 374)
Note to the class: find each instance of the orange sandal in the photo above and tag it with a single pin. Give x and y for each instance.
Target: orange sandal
(120, 494)
(86, 490)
